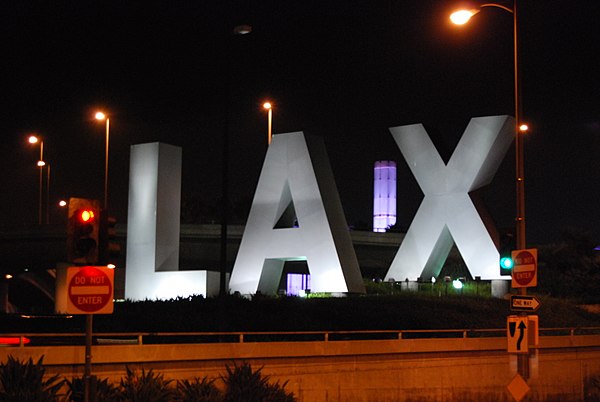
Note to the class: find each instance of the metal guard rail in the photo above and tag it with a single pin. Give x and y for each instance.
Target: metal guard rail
(147, 338)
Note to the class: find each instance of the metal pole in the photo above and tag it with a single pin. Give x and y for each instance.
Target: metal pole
(224, 201)
(238, 30)
(270, 118)
(106, 165)
(48, 194)
(520, 154)
(87, 374)
(521, 243)
(41, 182)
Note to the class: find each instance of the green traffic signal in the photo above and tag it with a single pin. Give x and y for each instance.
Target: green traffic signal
(506, 265)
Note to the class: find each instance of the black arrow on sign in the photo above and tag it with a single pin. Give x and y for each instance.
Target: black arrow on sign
(512, 326)
(522, 327)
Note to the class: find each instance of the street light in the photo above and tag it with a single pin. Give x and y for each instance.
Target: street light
(462, 17)
(33, 139)
(238, 30)
(102, 117)
(269, 107)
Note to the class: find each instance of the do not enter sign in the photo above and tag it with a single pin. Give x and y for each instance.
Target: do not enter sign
(524, 273)
(90, 290)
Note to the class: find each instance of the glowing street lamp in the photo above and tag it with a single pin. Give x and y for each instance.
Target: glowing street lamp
(462, 17)
(102, 117)
(33, 139)
(269, 107)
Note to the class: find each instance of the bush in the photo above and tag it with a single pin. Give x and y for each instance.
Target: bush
(198, 391)
(102, 390)
(147, 387)
(24, 382)
(242, 384)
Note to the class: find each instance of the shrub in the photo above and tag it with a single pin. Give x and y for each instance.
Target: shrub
(146, 387)
(102, 390)
(24, 382)
(591, 388)
(198, 391)
(242, 384)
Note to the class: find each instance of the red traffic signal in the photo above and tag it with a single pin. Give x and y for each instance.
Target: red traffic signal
(86, 215)
(83, 231)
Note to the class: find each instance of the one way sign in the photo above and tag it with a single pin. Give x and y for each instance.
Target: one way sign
(524, 303)
(517, 334)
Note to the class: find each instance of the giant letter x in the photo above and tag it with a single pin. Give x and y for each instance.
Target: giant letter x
(447, 212)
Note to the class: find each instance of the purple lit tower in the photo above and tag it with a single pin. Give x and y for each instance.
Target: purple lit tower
(384, 197)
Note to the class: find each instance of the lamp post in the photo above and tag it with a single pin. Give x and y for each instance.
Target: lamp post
(462, 17)
(40, 163)
(237, 31)
(269, 107)
(102, 117)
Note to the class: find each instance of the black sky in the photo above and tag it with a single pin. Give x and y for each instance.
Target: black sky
(341, 70)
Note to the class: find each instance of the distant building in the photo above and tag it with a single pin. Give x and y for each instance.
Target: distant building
(384, 197)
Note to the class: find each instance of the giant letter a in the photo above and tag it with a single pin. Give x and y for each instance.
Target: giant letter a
(296, 214)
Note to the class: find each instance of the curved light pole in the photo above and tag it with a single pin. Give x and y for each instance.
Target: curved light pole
(462, 17)
(33, 139)
(102, 117)
(269, 107)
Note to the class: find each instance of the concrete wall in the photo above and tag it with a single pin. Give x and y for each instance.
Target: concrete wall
(473, 369)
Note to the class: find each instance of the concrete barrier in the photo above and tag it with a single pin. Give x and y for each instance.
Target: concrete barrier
(459, 369)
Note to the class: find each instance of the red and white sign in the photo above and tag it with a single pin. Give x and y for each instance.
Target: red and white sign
(90, 290)
(524, 272)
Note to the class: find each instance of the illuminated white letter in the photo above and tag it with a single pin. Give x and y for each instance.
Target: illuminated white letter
(153, 227)
(296, 214)
(447, 212)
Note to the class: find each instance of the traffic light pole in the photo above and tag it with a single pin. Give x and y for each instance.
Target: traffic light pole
(522, 359)
(87, 374)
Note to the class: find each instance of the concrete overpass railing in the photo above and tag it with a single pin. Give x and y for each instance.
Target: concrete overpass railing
(465, 365)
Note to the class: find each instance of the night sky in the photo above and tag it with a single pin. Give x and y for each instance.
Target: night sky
(341, 70)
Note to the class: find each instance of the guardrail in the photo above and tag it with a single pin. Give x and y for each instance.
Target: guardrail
(153, 338)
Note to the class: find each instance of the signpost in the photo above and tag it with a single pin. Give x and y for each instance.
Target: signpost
(524, 303)
(90, 291)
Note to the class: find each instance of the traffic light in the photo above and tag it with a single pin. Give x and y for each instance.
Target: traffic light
(507, 245)
(83, 231)
(110, 249)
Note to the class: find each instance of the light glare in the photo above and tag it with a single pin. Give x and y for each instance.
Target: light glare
(41, 163)
(87, 216)
(267, 105)
(33, 139)
(523, 128)
(461, 17)
(100, 116)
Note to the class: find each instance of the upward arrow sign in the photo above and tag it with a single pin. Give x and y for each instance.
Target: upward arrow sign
(517, 334)
(522, 328)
